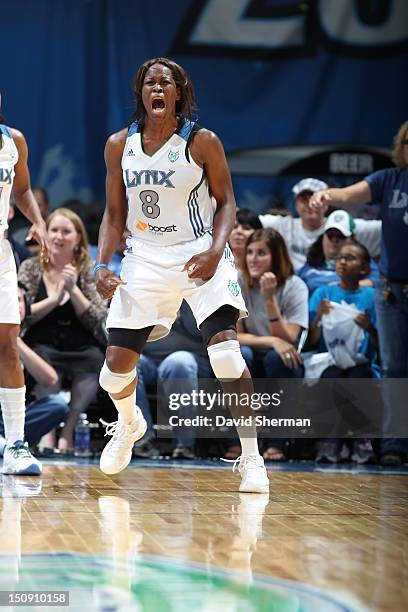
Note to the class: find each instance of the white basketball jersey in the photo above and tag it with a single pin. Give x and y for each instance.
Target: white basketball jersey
(8, 159)
(168, 194)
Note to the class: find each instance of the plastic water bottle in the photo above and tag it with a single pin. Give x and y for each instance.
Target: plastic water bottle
(82, 444)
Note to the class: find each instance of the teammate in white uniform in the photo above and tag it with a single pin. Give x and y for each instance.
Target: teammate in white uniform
(168, 179)
(14, 175)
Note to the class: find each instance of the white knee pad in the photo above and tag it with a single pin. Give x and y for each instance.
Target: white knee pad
(114, 382)
(226, 360)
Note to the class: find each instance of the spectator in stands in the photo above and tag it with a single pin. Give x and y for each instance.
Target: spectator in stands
(44, 414)
(320, 267)
(276, 300)
(389, 188)
(66, 326)
(178, 360)
(352, 264)
(300, 233)
(246, 223)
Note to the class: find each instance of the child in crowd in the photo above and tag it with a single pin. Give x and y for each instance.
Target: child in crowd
(352, 265)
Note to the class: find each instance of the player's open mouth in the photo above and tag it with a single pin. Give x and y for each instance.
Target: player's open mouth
(158, 104)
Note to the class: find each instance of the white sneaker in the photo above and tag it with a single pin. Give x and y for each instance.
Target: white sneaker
(118, 452)
(17, 459)
(253, 472)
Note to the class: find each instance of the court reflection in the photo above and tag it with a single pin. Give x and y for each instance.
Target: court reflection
(15, 490)
(152, 557)
(249, 514)
(157, 539)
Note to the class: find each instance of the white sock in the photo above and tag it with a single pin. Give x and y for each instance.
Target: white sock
(126, 407)
(13, 409)
(249, 440)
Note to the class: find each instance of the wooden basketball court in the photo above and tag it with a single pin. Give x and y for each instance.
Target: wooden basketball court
(183, 538)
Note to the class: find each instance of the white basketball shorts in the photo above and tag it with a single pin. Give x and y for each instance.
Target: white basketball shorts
(9, 311)
(156, 285)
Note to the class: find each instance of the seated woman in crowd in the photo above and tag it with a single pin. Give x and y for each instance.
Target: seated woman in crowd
(320, 266)
(66, 326)
(276, 300)
(352, 265)
(246, 223)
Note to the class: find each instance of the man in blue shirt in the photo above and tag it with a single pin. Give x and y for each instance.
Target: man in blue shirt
(389, 188)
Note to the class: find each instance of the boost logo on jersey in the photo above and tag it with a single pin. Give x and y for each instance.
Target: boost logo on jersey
(141, 226)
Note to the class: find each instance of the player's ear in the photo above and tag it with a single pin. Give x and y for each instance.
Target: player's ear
(178, 93)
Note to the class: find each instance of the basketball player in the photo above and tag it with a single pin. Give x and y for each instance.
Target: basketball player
(168, 179)
(14, 175)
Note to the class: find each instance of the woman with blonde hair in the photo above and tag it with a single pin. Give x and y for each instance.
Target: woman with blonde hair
(66, 326)
(389, 188)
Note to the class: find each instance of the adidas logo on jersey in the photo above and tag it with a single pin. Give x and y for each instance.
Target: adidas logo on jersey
(130, 152)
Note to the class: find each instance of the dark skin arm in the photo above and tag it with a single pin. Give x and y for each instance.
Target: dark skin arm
(208, 152)
(114, 218)
(23, 195)
(363, 320)
(315, 329)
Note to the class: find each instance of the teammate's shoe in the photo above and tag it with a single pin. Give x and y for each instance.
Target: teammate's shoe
(17, 459)
(253, 472)
(118, 452)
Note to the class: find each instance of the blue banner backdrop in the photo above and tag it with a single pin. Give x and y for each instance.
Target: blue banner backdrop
(267, 73)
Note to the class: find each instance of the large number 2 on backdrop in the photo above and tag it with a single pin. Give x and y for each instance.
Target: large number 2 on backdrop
(345, 22)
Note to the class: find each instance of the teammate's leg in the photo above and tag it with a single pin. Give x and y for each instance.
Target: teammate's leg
(17, 458)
